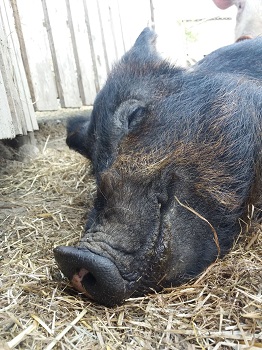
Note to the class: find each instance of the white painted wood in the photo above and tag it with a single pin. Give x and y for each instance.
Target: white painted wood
(135, 16)
(7, 72)
(110, 48)
(171, 41)
(101, 62)
(116, 28)
(83, 53)
(7, 129)
(14, 79)
(65, 67)
(19, 76)
(38, 54)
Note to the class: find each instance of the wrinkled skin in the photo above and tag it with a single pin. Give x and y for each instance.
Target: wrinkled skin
(177, 159)
(249, 17)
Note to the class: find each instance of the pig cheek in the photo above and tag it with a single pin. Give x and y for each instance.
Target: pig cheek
(77, 279)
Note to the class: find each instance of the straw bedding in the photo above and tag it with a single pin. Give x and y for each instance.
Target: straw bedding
(44, 203)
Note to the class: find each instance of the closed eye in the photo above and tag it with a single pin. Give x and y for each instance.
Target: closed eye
(135, 117)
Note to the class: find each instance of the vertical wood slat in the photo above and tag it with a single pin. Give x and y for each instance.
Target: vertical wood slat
(11, 73)
(37, 52)
(171, 36)
(14, 78)
(82, 51)
(20, 76)
(7, 129)
(7, 73)
(108, 33)
(92, 50)
(62, 52)
(116, 25)
(95, 35)
(135, 16)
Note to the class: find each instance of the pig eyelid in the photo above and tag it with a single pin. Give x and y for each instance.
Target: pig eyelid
(135, 117)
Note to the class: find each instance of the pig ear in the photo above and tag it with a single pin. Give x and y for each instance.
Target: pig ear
(144, 47)
(146, 40)
(78, 135)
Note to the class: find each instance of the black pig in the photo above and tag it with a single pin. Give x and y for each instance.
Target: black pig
(240, 58)
(177, 159)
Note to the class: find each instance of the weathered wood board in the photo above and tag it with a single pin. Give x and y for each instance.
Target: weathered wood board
(7, 129)
(17, 104)
(82, 51)
(41, 69)
(62, 52)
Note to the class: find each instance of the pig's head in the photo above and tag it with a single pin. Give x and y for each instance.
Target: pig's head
(151, 222)
(122, 103)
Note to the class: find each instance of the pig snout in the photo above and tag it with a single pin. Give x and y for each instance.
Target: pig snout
(92, 274)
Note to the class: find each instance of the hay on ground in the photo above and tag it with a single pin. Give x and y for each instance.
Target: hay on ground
(43, 204)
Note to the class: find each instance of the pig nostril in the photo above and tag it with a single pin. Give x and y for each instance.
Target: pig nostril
(89, 280)
(93, 275)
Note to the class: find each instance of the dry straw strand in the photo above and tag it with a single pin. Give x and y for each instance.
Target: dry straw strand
(67, 328)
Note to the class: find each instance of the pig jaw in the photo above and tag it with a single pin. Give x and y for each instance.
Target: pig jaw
(95, 276)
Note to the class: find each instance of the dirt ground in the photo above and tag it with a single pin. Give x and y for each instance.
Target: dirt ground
(44, 203)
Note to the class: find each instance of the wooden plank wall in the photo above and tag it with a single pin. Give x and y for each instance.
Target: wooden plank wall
(16, 110)
(57, 53)
(70, 45)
